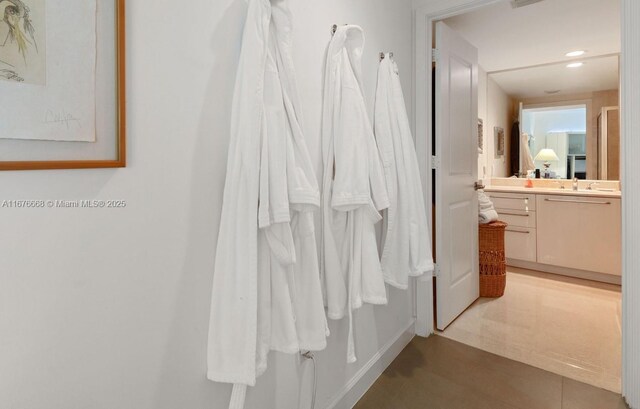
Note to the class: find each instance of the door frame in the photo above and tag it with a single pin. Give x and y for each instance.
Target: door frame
(426, 12)
(603, 142)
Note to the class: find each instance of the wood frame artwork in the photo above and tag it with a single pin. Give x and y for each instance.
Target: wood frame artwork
(499, 141)
(111, 152)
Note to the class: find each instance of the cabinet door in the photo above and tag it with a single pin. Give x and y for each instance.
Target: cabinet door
(580, 232)
(520, 243)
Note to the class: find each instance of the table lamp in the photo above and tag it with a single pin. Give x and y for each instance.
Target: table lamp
(547, 155)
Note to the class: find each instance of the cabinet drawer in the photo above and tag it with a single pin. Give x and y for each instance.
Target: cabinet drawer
(520, 243)
(517, 218)
(513, 201)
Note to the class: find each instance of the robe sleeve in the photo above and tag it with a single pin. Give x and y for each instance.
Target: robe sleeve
(351, 181)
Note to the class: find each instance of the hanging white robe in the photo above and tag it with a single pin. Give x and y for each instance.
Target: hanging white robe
(353, 186)
(406, 236)
(266, 287)
(527, 160)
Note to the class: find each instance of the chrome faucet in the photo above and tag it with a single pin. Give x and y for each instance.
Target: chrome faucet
(590, 187)
(575, 184)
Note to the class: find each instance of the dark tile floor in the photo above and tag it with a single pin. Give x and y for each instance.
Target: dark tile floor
(438, 373)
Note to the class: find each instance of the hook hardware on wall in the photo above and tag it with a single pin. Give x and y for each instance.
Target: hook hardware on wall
(334, 28)
(382, 55)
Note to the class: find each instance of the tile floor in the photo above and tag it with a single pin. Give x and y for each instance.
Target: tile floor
(438, 373)
(567, 326)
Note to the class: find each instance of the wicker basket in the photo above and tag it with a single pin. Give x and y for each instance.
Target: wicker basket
(493, 268)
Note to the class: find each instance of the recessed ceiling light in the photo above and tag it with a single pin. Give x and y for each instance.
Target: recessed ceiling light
(577, 53)
(575, 65)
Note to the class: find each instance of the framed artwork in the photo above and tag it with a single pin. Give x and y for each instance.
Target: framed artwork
(62, 81)
(499, 140)
(480, 136)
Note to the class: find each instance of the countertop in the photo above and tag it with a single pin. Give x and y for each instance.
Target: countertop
(552, 191)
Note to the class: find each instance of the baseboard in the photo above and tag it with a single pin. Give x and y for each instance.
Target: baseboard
(570, 272)
(351, 393)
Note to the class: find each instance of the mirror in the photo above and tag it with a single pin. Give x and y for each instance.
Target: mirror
(568, 119)
(562, 129)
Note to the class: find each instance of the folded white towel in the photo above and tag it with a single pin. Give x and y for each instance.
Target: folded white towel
(487, 216)
(486, 212)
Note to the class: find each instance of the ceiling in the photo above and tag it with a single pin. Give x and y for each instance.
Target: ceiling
(598, 74)
(540, 33)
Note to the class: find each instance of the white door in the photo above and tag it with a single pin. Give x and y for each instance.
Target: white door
(457, 282)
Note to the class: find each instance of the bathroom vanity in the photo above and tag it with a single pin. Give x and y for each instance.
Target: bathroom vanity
(563, 231)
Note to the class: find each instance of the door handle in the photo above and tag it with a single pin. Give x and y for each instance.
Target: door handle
(478, 186)
(509, 197)
(576, 201)
(514, 214)
(519, 231)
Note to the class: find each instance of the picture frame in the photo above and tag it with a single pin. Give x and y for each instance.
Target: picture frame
(103, 138)
(480, 136)
(499, 140)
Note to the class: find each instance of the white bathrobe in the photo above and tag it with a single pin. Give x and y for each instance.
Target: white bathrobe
(406, 235)
(266, 288)
(353, 186)
(527, 160)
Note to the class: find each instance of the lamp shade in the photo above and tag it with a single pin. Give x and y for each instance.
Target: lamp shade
(547, 155)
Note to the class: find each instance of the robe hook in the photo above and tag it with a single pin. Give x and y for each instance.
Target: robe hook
(334, 28)
(382, 56)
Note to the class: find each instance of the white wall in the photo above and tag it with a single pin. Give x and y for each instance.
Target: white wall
(109, 308)
(495, 108)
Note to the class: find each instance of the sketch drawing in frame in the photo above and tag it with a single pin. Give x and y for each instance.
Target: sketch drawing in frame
(66, 87)
(23, 41)
(499, 140)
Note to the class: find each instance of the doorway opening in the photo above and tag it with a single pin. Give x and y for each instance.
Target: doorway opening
(548, 153)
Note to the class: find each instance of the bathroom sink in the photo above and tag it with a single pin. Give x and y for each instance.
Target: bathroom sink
(598, 190)
(601, 192)
(582, 191)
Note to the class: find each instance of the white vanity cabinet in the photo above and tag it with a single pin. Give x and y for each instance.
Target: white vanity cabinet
(519, 212)
(580, 232)
(564, 233)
